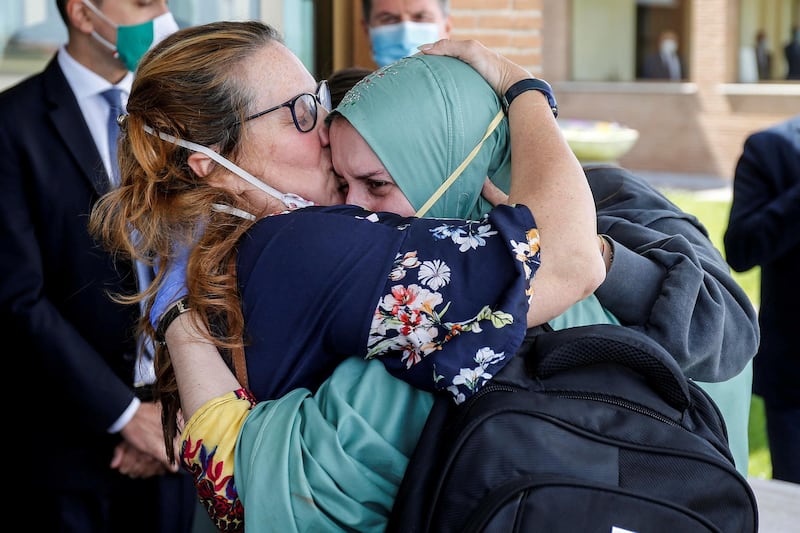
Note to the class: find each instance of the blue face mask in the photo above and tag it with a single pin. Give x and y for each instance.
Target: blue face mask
(133, 41)
(396, 41)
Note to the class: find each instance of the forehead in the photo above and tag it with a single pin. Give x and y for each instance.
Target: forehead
(275, 75)
(406, 6)
(350, 152)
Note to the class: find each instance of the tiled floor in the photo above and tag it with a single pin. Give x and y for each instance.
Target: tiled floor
(778, 505)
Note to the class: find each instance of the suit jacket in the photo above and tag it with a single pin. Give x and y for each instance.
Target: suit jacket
(656, 68)
(77, 347)
(764, 230)
(792, 53)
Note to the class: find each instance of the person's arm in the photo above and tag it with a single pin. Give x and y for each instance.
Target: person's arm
(668, 280)
(549, 180)
(559, 197)
(200, 371)
(215, 408)
(764, 221)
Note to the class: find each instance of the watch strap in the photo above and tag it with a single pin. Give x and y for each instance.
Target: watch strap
(530, 84)
(175, 310)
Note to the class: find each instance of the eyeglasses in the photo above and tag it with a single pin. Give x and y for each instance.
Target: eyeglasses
(303, 107)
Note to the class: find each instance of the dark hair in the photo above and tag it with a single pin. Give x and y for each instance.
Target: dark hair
(343, 80)
(62, 9)
(366, 8)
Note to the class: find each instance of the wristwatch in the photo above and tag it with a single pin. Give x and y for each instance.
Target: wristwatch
(530, 84)
(175, 310)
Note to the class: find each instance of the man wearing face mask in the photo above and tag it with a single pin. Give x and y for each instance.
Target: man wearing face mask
(664, 62)
(397, 27)
(91, 441)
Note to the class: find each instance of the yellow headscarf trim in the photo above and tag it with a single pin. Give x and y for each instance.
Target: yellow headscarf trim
(457, 172)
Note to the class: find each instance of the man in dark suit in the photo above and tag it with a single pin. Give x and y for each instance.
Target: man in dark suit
(664, 62)
(763, 56)
(764, 230)
(792, 53)
(92, 453)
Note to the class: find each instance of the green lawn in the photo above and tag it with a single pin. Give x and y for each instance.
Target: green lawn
(713, 213)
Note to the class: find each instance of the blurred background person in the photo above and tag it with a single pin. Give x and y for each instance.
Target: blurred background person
(764, 230)
(792, 53)
(397, 27)
(664, 62)
(763, 56)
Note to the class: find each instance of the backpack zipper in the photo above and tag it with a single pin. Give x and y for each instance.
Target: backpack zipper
(638, 408)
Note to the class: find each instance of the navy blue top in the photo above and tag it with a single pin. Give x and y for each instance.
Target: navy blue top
(442, 302)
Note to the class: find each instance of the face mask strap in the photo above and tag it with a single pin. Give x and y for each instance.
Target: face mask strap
(108, 44)
(102, 40)
(457, 172)
(235, 211)
(292, 201)
(99, 13)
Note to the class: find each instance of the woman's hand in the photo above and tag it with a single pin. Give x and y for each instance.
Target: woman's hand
(493, 194)
(500, 72)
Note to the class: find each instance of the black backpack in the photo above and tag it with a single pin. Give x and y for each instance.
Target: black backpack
(587, 429)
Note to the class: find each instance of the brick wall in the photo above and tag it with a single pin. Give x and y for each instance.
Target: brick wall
(698, 128)
(512, 27)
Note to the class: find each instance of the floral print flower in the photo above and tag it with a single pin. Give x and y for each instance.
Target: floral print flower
(435, 274)
(470, 240)
(402, 263)
(469, 236)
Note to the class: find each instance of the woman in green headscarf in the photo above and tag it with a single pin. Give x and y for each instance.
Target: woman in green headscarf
(437, 132)
(440, 114)
(422, 117)
(332, 460)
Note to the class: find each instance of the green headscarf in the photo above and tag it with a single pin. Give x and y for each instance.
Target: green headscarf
(422, 116)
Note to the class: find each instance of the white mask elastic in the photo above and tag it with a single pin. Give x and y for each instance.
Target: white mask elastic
(290, 200)
(235, 211)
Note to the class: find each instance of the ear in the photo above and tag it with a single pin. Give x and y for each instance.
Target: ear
(202, 165)
(365, 27)
(448, 26)
(77, 12)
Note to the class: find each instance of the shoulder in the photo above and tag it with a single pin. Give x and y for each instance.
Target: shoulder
(614, 186)
(29, 89)
(318, 234)
(787, 132)
(36, 92)
(330, 219)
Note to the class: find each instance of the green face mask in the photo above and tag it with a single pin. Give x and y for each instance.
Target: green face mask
(133, 41)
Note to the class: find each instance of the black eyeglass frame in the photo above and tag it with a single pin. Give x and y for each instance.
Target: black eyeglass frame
(322, 97)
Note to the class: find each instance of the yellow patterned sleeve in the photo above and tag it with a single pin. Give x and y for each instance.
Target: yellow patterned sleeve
(208, 444)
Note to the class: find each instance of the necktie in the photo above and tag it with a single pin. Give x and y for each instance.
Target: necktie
(112, 97)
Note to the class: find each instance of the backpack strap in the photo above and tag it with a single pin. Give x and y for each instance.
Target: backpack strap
(238, 360)
(240, 365)
(607, 343)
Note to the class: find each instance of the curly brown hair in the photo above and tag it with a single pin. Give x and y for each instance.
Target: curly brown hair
(187, 86)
